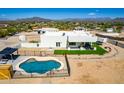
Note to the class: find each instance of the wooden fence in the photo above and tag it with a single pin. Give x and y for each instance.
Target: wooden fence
(33, 53)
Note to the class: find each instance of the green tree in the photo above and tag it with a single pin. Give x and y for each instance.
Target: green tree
(11, 30)
(3, 32)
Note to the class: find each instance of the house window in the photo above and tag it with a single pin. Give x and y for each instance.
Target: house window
(57, 44)
(72, 43)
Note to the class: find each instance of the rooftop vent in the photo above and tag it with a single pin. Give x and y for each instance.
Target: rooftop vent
(63, 34)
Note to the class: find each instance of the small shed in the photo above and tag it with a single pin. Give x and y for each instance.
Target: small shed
(6, 71)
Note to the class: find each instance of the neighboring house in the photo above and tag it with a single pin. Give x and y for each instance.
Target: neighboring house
(50, 29)
(3, 25)
(110, 30)
(64, 39)
(79, 28)
(43, 30)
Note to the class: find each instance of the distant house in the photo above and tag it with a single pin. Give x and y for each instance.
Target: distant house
(43, 30)
(3, 25)
(50, 29)
(110, 30)
(79, 28)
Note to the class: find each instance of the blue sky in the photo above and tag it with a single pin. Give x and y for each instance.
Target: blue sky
(60, 13)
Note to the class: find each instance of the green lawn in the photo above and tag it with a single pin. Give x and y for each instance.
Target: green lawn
(99, 51)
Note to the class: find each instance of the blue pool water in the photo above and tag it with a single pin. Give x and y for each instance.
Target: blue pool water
(33, 66)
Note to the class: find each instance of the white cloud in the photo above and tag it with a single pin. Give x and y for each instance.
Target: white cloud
(92, 14)
(97, 10)
(2, 15)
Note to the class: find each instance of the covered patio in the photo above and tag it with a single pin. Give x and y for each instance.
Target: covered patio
(7, 54)
(80, 43)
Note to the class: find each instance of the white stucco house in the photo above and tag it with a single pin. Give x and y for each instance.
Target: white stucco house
(62, 39)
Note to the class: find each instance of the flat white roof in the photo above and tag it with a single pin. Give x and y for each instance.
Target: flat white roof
(73, 36)
(53, 34)
(67, 33)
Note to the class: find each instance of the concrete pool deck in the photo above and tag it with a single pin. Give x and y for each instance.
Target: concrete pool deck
(21, 59)
(20, 73)
(40, 59)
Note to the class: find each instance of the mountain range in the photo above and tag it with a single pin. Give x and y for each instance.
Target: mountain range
(4, 19)
(87, 19)
(39, 19)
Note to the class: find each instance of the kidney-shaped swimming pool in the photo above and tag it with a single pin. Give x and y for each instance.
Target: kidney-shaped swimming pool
(41, 67)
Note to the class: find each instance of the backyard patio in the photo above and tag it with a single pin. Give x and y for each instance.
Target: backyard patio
(95, 49)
